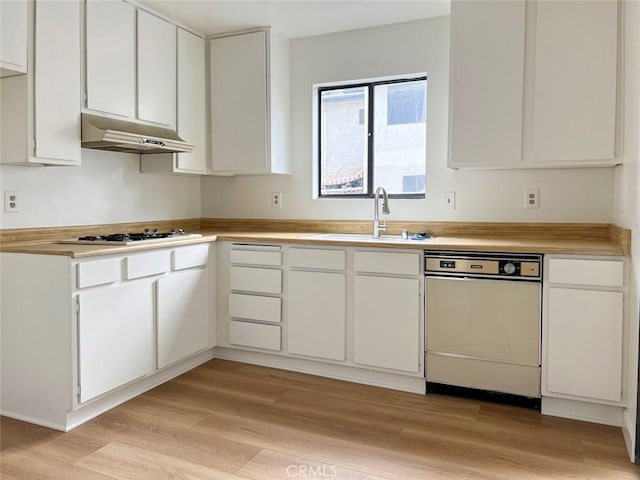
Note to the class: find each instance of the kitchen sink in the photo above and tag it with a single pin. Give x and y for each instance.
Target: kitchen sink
(361, 237)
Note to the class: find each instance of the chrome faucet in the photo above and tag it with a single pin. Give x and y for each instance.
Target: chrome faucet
(377, 226)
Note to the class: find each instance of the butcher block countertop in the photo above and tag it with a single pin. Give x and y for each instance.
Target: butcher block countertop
(568, 238)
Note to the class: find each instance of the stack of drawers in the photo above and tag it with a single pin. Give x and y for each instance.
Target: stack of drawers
(255, 298)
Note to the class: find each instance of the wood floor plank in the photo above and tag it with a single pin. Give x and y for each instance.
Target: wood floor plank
(227, 420)
(121, 425)
(125, 462)
(233, 382)
(27, 465)
(280, 414)
(14, 433)
(359, 456)
(361, 393)
(268, 465)
(148, 409)
(508, 458)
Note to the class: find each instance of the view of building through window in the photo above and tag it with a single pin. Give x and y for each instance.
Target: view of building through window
(373, 134)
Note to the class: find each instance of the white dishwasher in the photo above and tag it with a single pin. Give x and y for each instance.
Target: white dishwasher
(483, 317)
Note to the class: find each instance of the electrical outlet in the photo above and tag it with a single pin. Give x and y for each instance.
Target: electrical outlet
(532, 198)
(276, 199)
(449, 200)
(11, 201)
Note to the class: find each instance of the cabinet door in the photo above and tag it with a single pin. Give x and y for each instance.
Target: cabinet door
(191, 102)
(57, 82)
(239, 103)
(183, 315)
(316, 314)
(115, 337)
(156, 69)
(487, 78)
(13, 37)
(386, 326)
(584, 343)
(575, 80)
(111, 57)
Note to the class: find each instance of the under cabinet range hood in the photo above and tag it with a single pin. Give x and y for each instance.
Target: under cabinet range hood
(103, 133)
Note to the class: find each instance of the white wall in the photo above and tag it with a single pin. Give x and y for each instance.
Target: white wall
(575, 195)
(628, 194)
(107, 188)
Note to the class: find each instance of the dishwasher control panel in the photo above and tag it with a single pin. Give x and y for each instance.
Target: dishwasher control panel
(485, 265)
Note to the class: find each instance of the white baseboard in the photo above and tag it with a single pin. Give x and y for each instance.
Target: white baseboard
(585, 411)
(393, 381)
(629, 432)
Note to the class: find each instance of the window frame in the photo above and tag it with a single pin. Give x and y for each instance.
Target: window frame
(370, 86)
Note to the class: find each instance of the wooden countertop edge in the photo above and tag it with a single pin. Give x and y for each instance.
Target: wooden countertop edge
(577, 238)
(470, 243)
(83, 251)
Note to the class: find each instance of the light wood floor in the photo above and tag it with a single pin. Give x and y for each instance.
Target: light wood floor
(230, 421)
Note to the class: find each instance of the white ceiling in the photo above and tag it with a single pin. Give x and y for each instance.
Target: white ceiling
(295, 18)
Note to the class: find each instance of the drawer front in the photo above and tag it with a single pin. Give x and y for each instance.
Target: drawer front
(256, 257)
(604, 273)
(97, 272)
(254, 335)
(261, 280)
(146, 264)
(255, 307)
(391, 263)
(190, 257)
(317, 258)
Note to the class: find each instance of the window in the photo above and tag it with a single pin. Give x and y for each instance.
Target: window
(373, 134)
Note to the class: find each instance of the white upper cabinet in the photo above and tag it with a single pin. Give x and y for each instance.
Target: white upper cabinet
(111, 60)
(250, 100)
(41, 110)
(487, 69)
(58, 83)
(574, 112)
(14, 30)
(156, 69)
(192, 112)
(130, 63)
(533, 83)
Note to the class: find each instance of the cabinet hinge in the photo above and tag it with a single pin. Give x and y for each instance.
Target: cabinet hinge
(78, 306)
(79, 393)
(34, 146)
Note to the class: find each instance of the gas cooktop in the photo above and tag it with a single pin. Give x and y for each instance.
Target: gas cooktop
(146, 236)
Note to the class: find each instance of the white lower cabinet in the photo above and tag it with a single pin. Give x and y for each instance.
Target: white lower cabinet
(104, 329)
(115, 337)
(183, 315)
(583, 329)
(317, 314)
(584, 350)
(344, 312)
(386, 322)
